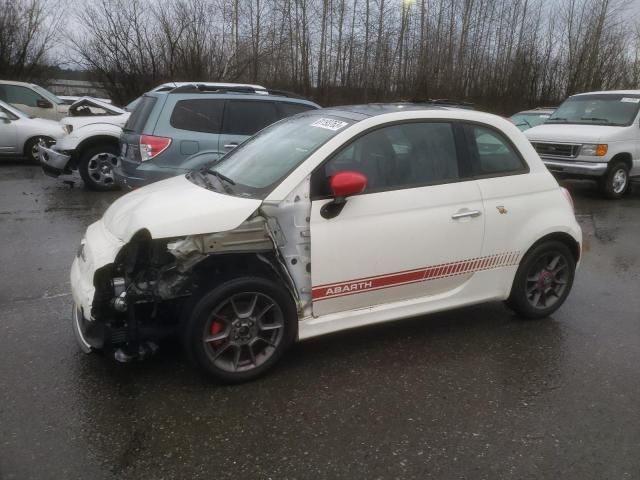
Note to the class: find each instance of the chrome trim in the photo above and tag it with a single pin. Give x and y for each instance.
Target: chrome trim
(581, 168)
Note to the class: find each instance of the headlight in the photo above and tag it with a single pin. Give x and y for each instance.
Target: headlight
(67, 128)
(595, 150)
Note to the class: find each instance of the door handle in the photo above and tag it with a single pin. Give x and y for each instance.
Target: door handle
(230, 145)
(464, 213)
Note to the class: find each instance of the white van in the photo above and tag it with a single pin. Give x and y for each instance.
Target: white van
(33, 100)
(593, 136)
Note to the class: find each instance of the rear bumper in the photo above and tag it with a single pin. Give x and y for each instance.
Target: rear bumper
(53, 163)
(130, 175)
(569, 167)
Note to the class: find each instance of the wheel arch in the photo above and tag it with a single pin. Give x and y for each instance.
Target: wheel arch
(91, 142)
(624, 157)
(562, 237)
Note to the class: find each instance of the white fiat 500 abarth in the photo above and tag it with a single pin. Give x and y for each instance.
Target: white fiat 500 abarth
(325, 221)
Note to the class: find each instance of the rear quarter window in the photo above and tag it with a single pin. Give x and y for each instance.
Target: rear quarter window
(140, 114)
(491, 153)
(198, 115)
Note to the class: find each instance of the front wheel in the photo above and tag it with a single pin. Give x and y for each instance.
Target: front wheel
(31, 148)
(240, 329)
(615, 182)
(96, 167)
(543, 280)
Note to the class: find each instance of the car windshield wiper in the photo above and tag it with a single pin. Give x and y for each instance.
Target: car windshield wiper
(219, 175)
(595, 119)
(557, 119)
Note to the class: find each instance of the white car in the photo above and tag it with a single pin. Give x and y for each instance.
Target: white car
(20, 133)
(328, 220)
(593, 136)
(33, 100)
(89, 144)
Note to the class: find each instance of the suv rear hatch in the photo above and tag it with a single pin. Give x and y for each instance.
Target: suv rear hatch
(133, 131)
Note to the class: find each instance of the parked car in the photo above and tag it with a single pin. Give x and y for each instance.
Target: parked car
(325, 221)
(33, 100)
(20, 133)
(593, 136)
(531, 118)
(166, 87)
(89, 144)
(167, 128)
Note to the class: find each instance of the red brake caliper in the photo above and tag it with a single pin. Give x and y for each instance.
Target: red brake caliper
(217, 327)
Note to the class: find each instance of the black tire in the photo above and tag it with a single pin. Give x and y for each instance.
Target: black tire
(527, 285)
(30, 148)
(214, 315)
(96, 167)
(610, 184)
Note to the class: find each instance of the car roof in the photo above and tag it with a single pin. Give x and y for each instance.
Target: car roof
(208, 84)
(264, 95)
(610, 92)
(537, 111)
(360, 112)
(11, 82)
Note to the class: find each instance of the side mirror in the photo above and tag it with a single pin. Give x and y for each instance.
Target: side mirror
(4, 118)
(41, 103)
(343, 184)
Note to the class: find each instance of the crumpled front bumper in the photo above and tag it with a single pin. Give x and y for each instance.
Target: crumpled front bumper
(53, 162)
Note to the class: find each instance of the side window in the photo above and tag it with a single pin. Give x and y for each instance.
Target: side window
(246, 117)
(491, 152)
(290, 109)
(198, 115)
(21, 95)
(395, 157)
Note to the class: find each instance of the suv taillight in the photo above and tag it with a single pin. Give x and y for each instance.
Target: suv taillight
(569, 198)
(151, 147)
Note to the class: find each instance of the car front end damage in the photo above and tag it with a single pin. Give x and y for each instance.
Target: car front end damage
(128, 297)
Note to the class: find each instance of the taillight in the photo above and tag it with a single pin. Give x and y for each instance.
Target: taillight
(569, 198)
(151, 147)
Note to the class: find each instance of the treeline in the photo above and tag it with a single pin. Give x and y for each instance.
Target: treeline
(500, 54)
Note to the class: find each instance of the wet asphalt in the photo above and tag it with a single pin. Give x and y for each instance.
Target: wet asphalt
(470, 394)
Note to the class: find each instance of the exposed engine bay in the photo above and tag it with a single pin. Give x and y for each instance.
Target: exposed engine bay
(145, 294)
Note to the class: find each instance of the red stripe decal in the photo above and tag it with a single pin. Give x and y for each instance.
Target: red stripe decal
(366, 284)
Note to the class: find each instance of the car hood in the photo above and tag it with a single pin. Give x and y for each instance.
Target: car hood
(559, 132)
(79, 122)
(174, 208)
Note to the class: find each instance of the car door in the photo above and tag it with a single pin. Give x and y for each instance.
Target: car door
(243, 118)
(8, 134)
(415, 231)
(508, 191)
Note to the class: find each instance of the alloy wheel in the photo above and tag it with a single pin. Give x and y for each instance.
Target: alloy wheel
(100, 168)
(243, 331)
(619, 181)
(547, 280)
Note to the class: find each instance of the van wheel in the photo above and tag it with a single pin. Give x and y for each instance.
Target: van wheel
(239, 329)
(543, 280)
(96, 167)
(615, 182)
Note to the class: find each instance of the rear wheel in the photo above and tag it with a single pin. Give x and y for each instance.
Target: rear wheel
(96, 167)
(615, 182)
(543, 281)
(240, 329)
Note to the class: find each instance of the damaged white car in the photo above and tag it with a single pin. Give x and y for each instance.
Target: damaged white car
(90, 144)
(325, 221)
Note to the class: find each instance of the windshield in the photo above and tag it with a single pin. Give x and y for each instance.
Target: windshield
(524, 121)
(600, 109)
(263, 161)
(47, 94)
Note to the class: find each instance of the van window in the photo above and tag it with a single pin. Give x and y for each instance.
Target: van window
(246, 117)
(20, 95)
(198, 115)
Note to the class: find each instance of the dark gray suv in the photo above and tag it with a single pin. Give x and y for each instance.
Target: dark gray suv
(171, 133)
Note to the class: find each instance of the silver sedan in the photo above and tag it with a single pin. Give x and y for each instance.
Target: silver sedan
(20, 133)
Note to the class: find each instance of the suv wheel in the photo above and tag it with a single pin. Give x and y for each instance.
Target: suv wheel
(616, 181)
(543, 281)
(240, 328)
(96, 167)
(31, 148)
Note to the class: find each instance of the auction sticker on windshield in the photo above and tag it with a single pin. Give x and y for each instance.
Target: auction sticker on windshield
(329, 124)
